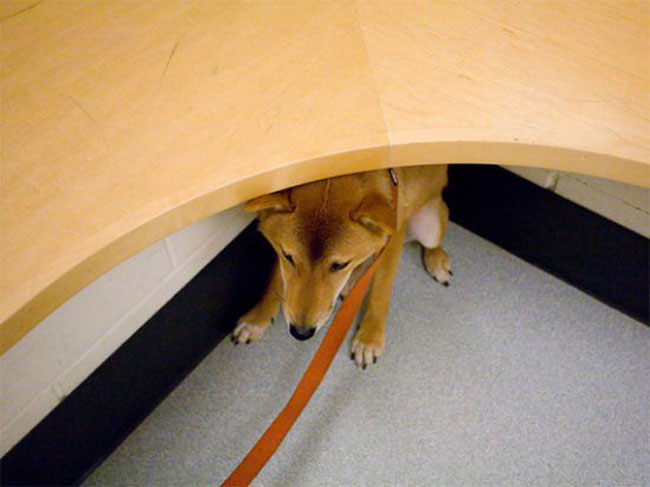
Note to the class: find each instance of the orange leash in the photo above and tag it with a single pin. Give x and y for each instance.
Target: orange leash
(266, 446)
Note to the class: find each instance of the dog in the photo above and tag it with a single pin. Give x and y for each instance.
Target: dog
(327, 232)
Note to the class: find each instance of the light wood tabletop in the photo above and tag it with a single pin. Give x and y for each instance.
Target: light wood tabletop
(124, 121)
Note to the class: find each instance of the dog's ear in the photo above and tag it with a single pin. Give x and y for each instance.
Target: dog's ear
(279, 202)
(376, 214)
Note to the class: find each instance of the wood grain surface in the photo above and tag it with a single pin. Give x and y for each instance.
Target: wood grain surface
(123, 121)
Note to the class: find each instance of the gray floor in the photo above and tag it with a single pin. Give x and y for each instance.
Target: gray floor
(508, 377)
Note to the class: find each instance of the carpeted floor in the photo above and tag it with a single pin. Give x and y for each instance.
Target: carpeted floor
(508, 377)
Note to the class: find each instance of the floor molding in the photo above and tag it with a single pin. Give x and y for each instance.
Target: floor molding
(596, 255)
(92, 421)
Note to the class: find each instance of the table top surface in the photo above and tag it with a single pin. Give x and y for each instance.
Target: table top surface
(123, 121)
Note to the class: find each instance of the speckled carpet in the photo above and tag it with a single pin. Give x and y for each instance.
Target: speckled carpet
(508, 377)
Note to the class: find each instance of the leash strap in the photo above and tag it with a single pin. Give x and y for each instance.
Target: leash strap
(266, 446)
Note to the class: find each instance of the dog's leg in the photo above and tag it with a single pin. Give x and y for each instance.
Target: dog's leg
(428, 225)
(368, 343)
(253, 324)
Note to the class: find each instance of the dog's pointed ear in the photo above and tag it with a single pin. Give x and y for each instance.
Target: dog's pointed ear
(376, 214)
(279, 202)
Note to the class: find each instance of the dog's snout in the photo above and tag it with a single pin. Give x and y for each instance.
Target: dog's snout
(301, 332)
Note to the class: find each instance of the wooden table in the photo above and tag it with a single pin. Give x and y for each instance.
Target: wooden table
(123, 121)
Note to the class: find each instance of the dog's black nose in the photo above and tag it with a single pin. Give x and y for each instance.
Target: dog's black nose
(300, 333)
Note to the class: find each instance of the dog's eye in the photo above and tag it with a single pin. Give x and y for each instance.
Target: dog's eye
(289, 258)
(337, 266)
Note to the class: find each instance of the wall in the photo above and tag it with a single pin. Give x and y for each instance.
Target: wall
(64, 349)
(624, 204)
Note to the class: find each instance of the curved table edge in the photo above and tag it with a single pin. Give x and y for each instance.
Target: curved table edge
(21, 320)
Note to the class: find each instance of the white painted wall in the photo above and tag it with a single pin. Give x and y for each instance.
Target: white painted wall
(624, 204)
(64, 349)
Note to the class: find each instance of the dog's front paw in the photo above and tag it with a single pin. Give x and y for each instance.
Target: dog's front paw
(247, 332)
(367, 347)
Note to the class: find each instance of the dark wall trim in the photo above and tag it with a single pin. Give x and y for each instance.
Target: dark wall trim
(584, 249)
(596, 255)
(90, 423)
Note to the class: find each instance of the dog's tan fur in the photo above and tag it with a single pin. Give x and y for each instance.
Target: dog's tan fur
(318, 227)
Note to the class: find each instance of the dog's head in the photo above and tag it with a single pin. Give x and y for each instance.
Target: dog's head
(321, 232)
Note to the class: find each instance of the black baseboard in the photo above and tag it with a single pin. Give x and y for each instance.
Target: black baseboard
(596, 255)
(584, 249)
(90, 423)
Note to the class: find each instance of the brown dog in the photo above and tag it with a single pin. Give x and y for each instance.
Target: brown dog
(325, 233)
